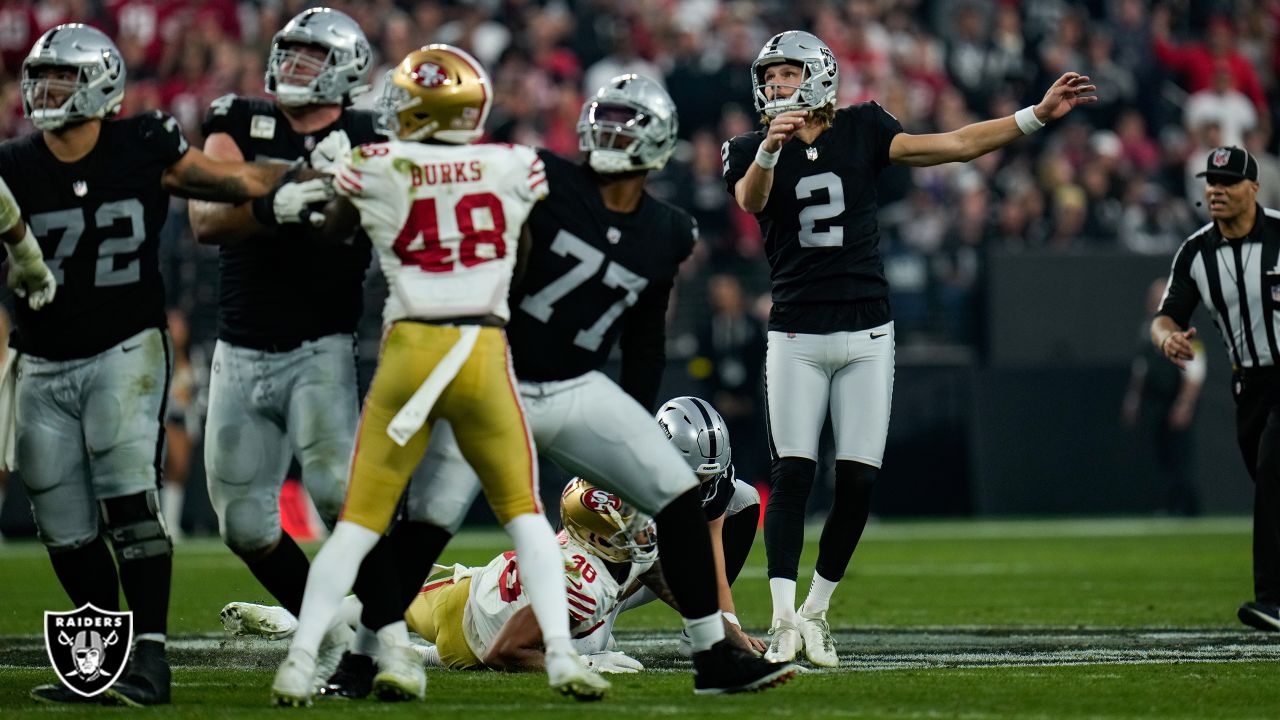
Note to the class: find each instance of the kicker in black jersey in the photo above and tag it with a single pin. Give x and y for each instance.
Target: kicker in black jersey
(284, 288)
(821, 234)
(98, 223)
(592, 275)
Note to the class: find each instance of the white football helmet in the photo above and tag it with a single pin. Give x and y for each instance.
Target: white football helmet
(701, 436)
(341, 76)
(98, 88)
(630, 124)
(819, 79)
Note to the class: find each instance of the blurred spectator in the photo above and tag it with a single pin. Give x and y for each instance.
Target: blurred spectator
(1197, 62)
(1255, 141)
(1222, 105)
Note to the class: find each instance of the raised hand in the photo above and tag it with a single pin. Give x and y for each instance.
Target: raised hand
(782, 127)
(1064, 95)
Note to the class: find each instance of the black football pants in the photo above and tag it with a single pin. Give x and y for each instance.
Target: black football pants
(1257, 393)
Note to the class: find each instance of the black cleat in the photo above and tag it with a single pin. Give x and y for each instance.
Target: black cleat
(1263, 616)
(353, 679)
(726, 668)
(59, 694)
(146, 681)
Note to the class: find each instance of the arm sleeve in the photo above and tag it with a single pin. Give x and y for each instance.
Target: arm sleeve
(737, 155)
(886, 128)
(1182, 294)
(163, 135)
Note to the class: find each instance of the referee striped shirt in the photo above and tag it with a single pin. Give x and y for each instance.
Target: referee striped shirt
(1239, 283)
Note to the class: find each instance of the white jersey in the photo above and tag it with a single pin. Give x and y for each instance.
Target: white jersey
(445, 221)
(496, 594)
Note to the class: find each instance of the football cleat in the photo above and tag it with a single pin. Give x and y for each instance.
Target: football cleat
(727, 668)
(146, 681)
(786, 642)
(272, 623)
(400, 675)
(295, 680)
(568, 674)
(336, 642)
(819, 648)
(1263, 616)
(59, 694)
(353, 679)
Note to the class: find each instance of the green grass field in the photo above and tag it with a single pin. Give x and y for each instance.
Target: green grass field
(1009, 619)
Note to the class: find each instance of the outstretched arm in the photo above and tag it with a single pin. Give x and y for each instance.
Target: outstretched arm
(980, 138)
(200, 177)
(216, 223)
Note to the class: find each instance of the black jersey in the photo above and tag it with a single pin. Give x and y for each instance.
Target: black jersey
(287, 287)
(98, 223)
(717, 494)
(593, 275)
(821, 234)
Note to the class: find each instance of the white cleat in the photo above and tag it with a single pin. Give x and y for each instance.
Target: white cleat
(266, 621)
(336, 641)
(568, 674)
(786, 643)
(819, 648)
(400, 674)
(295, 680)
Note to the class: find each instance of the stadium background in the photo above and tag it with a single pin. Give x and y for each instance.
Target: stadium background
(1018, 280)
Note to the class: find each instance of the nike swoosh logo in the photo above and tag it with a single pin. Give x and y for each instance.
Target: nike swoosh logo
(129, 348)
(877, 337)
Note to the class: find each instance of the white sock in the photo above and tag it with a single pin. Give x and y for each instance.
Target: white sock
(819, 598)
(171, 497)
(332, 573)
(705, 631)
(153, 637)
(542, 576)
(394, 634)
(349, 611)
(643, 596)
(366, 642)
(784, 599)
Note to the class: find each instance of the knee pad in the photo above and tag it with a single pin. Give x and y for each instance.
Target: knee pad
(135, 528)
(247, 527)
(792, 475)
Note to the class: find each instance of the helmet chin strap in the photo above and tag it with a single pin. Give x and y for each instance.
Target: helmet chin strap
(610, 162)
(294, 95)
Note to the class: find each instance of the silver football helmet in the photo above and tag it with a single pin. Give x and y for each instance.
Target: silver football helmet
(629, 124)
(700, 435)
(96, 91)
(340, 76)
(819, 79)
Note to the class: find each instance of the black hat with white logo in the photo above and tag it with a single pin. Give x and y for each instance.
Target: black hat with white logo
(1230, 162)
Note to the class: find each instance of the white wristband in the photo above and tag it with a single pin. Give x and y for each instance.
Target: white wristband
(1027, 120)
(26, 252)
(766, 159)
(731, 618)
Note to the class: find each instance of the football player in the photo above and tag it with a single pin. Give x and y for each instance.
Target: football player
(604, 258)
(283, 381)
(810, 179)
(95, 364)
(445, 217)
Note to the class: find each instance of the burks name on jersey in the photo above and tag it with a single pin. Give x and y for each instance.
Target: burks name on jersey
(445, 220)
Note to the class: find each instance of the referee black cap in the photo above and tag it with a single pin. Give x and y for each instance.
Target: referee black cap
(1230, 162)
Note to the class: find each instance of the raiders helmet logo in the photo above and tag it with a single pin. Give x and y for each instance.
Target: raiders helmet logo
(598, 500)
(1221, 157)
(429, 75)
(88, 647)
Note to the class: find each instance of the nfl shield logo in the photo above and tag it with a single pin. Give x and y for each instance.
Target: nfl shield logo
(80, 188)
(811, 153)
(613, 235)
(1221, 157)
(88, 647)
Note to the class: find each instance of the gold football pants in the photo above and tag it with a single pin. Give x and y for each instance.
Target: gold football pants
(481, 404)
(436, 614)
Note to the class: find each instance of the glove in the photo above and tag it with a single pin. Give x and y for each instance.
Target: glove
(289, 201)
(612, 661)
(331, 152)
(29, 277)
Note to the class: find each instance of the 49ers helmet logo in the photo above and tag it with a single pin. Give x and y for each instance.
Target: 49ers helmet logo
(1221, 157)
(598, 500)
(429, 75)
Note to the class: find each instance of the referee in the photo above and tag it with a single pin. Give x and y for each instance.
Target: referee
(1233, 266)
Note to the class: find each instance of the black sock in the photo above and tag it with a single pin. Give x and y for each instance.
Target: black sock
(684, 546)
(848, 518)
(791, 479)
(146, 586)
(88, 574)
(144, 553)
(283, 572)
(738, 535)
(418, 546)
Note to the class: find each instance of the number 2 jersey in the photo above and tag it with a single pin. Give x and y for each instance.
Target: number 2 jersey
(821, 235)
(98, 223)
(496, 593)
(445, 221)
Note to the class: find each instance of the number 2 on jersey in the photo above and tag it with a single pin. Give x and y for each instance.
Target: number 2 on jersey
(474, 237)
(810, 216)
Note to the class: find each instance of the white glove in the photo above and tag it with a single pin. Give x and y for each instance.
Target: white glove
(331, 152)
(291, 201)
(612, 661)
(29, 277)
